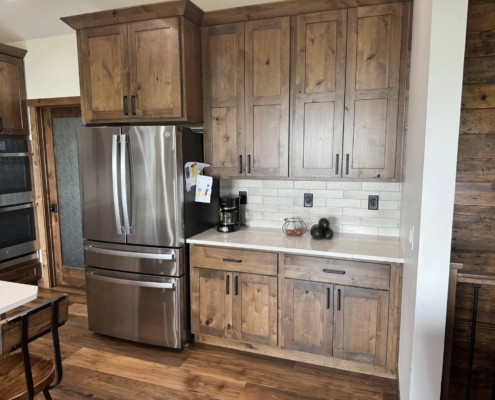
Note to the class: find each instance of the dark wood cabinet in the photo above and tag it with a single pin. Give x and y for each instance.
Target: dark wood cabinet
(13, 107)
(141, 72)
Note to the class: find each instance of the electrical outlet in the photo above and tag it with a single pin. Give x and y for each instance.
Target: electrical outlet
(243, 196)
(308, 200)
(373, 202)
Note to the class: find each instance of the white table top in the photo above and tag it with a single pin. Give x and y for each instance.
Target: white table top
(350, 246)
(13, 295)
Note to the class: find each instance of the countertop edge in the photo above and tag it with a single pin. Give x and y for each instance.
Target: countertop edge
(359, 257)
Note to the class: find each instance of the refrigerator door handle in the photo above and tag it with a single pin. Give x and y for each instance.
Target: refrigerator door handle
(115, 185)
(133, 254)
(157, 285)
(123, 182)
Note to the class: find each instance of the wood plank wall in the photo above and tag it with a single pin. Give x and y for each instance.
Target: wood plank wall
(473, 242)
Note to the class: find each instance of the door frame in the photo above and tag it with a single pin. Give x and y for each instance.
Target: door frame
(40, 111)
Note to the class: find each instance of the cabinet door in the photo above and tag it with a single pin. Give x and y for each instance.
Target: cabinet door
(372, 91)
(361, 321)
(267, 97)
(154, 66)
(255, 309)
(307, 317)
(13, 108)
(318, 124)
(104, 73)
(211, 301)
(223, 96)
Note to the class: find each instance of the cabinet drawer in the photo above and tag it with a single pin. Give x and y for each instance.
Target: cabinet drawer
(341, 272)
(253, 262)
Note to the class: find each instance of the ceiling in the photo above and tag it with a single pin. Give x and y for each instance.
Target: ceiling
(34, 19)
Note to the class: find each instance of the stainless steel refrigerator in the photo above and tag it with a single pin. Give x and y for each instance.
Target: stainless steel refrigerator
(136, 216)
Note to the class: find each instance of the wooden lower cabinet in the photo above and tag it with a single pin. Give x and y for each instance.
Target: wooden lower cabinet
(360, 325)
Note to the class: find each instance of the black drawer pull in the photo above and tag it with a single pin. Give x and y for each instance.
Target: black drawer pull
(227, 289)
(328, 298)
(338, 300)
(333, 271)
(236, 286)
(126, 112)
(229, 260)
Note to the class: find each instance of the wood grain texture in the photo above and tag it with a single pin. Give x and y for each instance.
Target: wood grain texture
(480, 44)
(374, 38)
(55, 102)
(224, 98)
(136, 13)
(12, 51)
(476, 146)
(394, 317)
(253, 262)
(478, 96)
(477, 121)
(28, 272)
(267, 97)
(481, 17)
(318, 121)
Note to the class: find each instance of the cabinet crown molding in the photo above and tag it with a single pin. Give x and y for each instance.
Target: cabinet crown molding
(12, 51)
(143, 12)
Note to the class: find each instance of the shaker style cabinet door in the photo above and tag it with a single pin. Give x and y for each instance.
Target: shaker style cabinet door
(223, 97)
(318, 123)
(267, 97)
(372, 91)
(155, 69)
(255, 309)
(104, 77)
(361, 325)
(211, 302)
(308, 317)
(13, 108)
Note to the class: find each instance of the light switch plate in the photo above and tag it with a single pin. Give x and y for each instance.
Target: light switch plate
(373, 202)
(308, 200)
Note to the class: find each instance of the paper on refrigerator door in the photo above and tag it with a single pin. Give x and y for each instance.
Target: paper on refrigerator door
(204, 185)
(192, 170)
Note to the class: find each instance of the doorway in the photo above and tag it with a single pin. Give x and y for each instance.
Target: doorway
(54, 124)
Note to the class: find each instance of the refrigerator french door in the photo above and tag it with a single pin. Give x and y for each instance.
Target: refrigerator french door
(132, 209)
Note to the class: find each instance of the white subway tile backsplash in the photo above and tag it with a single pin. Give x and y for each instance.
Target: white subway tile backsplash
(345, 204)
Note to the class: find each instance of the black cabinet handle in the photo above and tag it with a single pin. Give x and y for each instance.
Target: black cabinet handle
(240, 164)
(126, 111)
(249, 164)
(1, 125)
(347, 164)
(133, 105)
(227, 289)
(337, 157)
(338, 300)
(229, 260)
(328, 298)
(236, 286)
(53, 208)
(333, 271)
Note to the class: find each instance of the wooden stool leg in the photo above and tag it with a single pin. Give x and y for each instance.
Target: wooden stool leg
(47, 394)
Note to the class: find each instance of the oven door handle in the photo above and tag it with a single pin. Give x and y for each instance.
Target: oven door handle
(6, 155)
(156, 285)
(98, 250)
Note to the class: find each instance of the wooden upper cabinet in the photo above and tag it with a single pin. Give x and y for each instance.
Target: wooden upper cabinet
(154, 67)
(254, 309)
(372, 91)
(103, 60)
(146, 71)
(13, 108)
(361, 325)
(318, 123)
(267, 97)
(307, 317)
(223, 92)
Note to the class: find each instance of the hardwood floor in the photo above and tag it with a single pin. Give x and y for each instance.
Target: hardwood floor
(100, 367)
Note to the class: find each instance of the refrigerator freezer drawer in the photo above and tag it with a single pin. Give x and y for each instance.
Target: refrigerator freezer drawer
(137, 259)
(141, 308)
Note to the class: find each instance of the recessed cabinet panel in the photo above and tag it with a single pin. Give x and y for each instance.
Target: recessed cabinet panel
(267, 97)
(103, 61)
(318, 122)
(12, 96)
(154, 55)
(223, 99)
(372, 91)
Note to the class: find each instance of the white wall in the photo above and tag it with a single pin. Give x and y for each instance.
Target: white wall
(51, 67)
(439, 31)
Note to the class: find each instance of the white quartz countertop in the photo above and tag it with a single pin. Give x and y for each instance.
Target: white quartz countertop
(350, 246)
(13, 295)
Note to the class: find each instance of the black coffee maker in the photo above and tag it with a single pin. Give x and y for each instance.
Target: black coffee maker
(229, 216)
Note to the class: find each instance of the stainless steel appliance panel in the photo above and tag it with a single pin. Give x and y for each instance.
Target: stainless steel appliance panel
(16, 172)
(137, 259)
(18, 231)
(99, 153)
(153, 207)
(142, 308)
